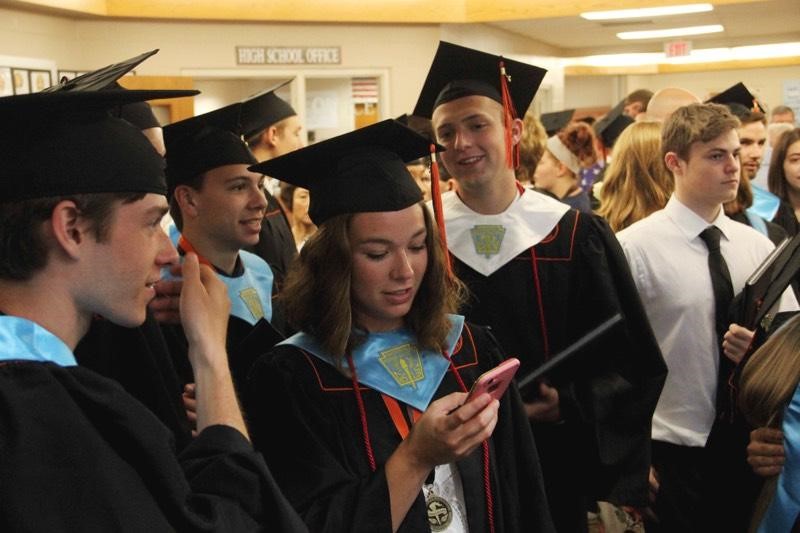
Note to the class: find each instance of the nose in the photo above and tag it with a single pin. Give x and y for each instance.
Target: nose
(167, 254)
(734, 163)
(462, 139)
(402, 269)
(258, 200)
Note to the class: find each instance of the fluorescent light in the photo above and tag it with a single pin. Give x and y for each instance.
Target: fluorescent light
(647, 12)
(671, 32)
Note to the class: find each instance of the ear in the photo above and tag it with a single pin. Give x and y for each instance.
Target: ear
(271, 135)
(517, 127)
(673, 162)
(69, 228)
(187, 200)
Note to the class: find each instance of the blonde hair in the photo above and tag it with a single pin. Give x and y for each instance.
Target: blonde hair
(637, 181)
(767, 384)
(531, 147)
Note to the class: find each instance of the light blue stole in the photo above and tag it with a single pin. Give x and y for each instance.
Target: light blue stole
(392, 363)
(785, 506)
(251, 293)
(22, 339)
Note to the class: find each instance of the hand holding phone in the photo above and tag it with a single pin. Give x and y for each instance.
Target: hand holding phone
(495, 381)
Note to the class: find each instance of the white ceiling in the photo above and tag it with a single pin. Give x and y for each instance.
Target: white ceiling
(760, 22)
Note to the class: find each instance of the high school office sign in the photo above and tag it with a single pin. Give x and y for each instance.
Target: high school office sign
(287, 55)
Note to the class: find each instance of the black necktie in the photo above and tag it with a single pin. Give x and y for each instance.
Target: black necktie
(720, 279)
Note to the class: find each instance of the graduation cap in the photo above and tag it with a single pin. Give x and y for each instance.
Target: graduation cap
(66, 142)
(612, 125)
(199, 148)
(244, 119)
(361, 171)
(457, 71)
(738, 94)
(102, 78)
(556, 121)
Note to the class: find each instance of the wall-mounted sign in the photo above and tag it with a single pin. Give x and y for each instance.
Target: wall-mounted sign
(288, 55)
(678, 48)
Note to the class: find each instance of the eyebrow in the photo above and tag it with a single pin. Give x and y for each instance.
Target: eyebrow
(379, 240)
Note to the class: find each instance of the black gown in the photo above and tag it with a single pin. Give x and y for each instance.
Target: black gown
(304, 418)
(78, 453)
(601, 450)
(138, 359)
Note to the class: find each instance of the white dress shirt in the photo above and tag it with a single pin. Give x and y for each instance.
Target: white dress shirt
(669, 263)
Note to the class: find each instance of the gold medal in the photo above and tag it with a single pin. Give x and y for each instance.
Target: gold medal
(440, 514)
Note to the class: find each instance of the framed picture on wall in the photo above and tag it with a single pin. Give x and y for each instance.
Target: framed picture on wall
(22, 84)
(40, 79)
(6, 82)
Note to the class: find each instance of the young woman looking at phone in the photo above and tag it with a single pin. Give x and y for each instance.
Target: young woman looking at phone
(357, 414)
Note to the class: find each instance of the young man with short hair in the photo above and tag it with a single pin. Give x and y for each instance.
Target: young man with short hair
(82, 200)
(218, 206)
(541, 275)
(679, 257)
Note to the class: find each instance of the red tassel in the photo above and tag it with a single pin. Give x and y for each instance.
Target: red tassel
(509, 114)
(438, 211)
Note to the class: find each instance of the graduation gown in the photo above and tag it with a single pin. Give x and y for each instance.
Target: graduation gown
(140, 361)
(539, 302)
(304, 418)
(80, 454)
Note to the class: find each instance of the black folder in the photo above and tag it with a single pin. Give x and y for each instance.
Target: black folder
(569, 352)
(767, 283)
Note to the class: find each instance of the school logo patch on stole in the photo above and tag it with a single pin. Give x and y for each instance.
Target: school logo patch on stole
(487, 238)
(250, 298)
(439, 513)
(404, 364)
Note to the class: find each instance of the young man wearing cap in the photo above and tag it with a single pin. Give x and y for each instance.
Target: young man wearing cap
(688, 261)
(541, 275)
(218, 206)
(82, 200)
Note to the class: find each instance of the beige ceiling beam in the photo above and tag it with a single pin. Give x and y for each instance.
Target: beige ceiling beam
(376, 11)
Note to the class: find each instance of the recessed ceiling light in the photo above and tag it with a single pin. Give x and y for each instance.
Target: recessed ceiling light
(671, 32)
(647, 12)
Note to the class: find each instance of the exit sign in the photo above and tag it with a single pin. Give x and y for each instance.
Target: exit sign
(678, 48)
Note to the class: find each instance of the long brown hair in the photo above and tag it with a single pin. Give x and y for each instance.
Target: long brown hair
(637, 181)
(776, 179)
(317, 292)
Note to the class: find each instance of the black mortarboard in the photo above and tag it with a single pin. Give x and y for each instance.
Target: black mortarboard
(361, 171)
(65, 142)
(556, 121)
(252, 115)
(191, 152)
(738, 94)
(458, 71)
(102, 78)
(612, 125)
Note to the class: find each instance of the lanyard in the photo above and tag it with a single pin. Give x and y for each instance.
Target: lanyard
(395, 411)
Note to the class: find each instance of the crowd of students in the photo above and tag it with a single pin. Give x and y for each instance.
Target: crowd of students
(345, 334)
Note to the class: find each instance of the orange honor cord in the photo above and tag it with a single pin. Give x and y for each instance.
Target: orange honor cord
(187, 247)
(509, 114)
(438, 211)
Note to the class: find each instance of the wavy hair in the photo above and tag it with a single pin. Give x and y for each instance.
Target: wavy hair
(637, 181)
(317, 293)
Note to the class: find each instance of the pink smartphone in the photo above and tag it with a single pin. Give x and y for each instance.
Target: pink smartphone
(496, 380)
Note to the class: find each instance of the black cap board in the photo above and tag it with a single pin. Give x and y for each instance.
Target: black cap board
(556, 121)
(249, 117)
(457, 71)
(66, 142)
(737, 94)
(361, 171)
(102, 78)
(191, 152)
(612, 125)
